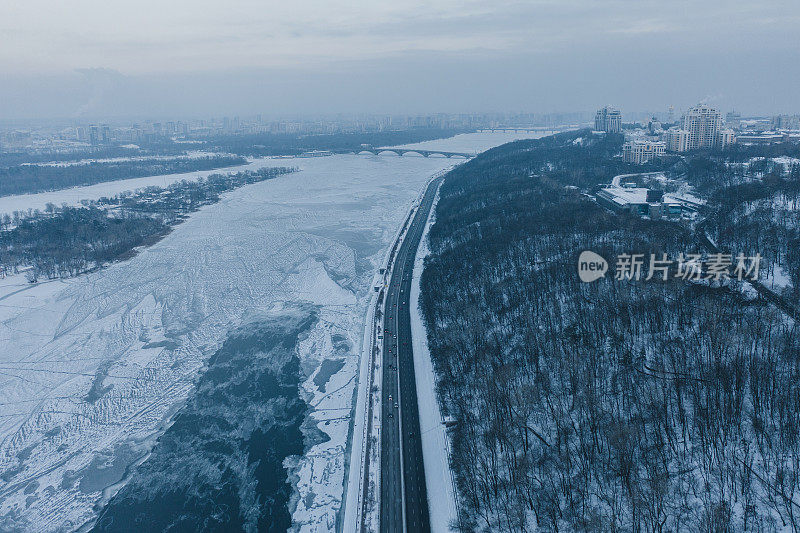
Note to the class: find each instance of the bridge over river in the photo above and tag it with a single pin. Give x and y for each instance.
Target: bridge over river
(403, 151)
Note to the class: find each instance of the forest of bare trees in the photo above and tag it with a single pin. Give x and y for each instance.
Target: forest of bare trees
(762, 216)
(611, 406)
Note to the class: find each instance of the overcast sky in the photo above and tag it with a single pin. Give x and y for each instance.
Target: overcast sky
(199, 57)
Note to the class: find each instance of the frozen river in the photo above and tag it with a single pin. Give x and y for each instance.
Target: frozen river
(268, 286)
(473, 142)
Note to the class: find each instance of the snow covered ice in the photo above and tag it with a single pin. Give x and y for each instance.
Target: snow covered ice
(474, 142)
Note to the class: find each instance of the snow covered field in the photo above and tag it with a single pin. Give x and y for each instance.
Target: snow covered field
(93, 368)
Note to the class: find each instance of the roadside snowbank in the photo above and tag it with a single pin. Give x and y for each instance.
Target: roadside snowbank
(435, 446)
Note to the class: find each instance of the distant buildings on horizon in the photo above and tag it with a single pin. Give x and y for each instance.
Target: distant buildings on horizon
(700, 127)
(64, 137)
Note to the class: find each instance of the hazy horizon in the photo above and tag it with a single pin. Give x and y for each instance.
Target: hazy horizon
(85, 59)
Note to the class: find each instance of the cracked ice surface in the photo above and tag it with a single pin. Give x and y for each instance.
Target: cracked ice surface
(93, 368)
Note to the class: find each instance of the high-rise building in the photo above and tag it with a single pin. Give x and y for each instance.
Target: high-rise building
(676, 139)
(608, 119)
(703, 124)
(94, 134)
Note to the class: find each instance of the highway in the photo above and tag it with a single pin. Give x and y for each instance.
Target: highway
(403, 493)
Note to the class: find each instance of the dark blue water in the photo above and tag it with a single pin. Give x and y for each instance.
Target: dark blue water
(219, 467)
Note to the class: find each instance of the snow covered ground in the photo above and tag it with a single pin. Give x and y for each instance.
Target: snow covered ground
(93, 368)
(778, 279)
(787, 162)
(435, 445)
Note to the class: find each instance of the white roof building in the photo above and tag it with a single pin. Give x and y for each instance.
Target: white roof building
(641, 201)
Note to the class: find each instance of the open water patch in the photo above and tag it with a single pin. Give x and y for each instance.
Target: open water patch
(220, 465)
